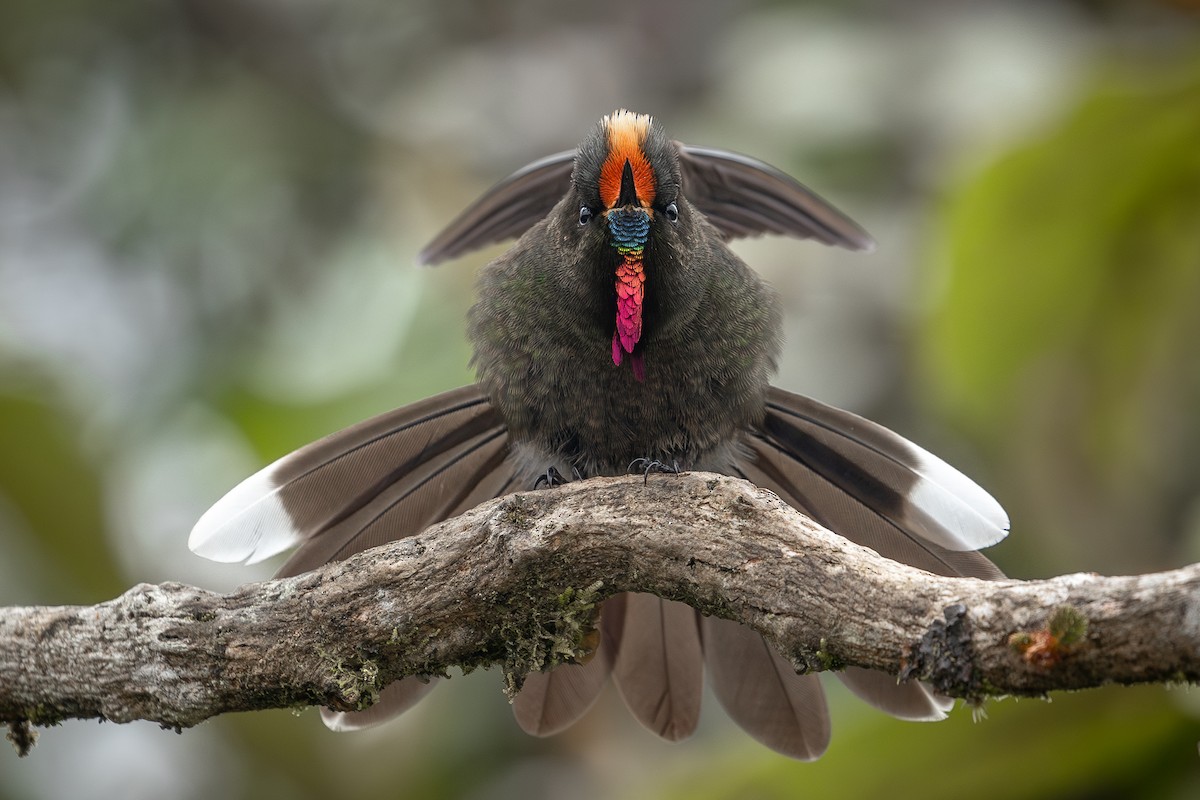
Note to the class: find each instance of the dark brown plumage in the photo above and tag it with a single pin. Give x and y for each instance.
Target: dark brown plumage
(621, 327)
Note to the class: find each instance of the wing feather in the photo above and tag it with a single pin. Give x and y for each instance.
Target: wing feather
(506, 210)
(383, 479)
(874, 487)
(743, 196)
(860, 479)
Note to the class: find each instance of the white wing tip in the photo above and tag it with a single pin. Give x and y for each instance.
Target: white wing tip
(967, 515)
(337, 721)
(248, 524)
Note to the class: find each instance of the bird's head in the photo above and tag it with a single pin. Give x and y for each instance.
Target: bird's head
(625, 244)
(627, 179)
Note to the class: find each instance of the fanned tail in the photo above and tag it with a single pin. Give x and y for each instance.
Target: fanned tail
(392, 476)
(386, 478)
(881, 491)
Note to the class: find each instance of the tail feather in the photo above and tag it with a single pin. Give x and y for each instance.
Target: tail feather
(912, 701)
(859, 480)
(383, 479)
(392, 476)
(394, 700)
(553, 700)
(660, 665)
(762, 693)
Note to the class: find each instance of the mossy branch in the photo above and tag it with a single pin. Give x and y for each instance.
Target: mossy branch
(516, 581)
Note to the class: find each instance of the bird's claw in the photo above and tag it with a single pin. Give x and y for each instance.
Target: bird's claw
(653, 465)
(552, 477)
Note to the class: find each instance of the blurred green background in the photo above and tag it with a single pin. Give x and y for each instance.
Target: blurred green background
(209, 212)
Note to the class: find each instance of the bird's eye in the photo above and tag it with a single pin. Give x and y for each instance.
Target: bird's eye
(672, 212)
(585, 215)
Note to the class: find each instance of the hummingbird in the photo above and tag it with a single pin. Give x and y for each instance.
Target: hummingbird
(620, 329)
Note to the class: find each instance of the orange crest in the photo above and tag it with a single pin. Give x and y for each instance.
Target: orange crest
(626, 133)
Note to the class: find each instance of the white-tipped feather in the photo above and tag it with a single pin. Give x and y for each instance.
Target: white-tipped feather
(954, 511)
(395, 699)
(248, 524)
(942, 505)
(913, 701)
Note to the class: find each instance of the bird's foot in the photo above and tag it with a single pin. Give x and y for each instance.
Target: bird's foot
(648, 465)
(552, 477)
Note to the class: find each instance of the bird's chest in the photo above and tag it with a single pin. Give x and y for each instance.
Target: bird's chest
(572, 404)
(544, 353)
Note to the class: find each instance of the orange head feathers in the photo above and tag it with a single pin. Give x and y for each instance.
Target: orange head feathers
(626, 135)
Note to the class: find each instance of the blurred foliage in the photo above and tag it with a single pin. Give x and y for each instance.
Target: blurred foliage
(208, 209)
(39, 450)
(1067, 335)
(1111, 743)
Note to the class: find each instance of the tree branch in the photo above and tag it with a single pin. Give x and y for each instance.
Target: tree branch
(516, 582)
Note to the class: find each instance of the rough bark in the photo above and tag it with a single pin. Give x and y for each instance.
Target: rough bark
(516, 582)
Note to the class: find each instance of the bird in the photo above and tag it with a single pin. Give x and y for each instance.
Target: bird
(620, 330)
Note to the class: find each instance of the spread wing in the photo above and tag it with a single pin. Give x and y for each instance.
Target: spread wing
(505, 211)
(874, 487)
(386, 478)
(383, 479)
(743, 196)
(740, 195)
